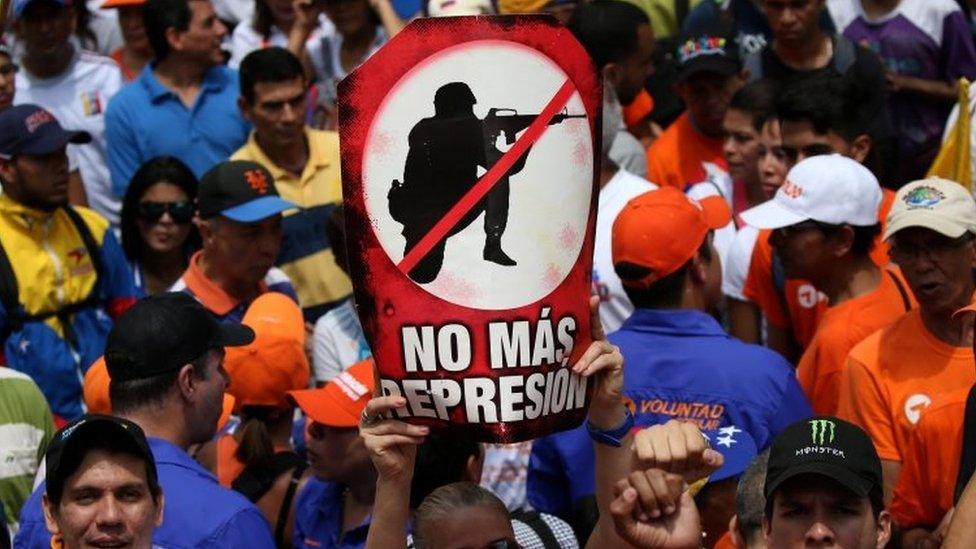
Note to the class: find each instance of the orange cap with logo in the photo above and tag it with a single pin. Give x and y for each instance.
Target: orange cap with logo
(96, 396)
(341, 401)
(662, 229)
(262, 372)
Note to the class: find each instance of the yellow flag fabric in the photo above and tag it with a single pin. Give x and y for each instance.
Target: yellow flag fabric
(954, 160)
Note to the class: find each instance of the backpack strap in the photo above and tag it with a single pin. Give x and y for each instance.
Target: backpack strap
(967, 461)
(534, 520)
(255, 480)
(282, 522)
(845, 53)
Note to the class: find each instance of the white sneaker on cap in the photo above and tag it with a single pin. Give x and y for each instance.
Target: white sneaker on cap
(831, 189)
(941, 205)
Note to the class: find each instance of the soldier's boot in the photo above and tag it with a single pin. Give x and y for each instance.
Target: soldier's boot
(494, 253)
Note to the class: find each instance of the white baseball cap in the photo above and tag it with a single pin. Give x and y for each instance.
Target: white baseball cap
(941, 205)
(831, 189)
(443, 8)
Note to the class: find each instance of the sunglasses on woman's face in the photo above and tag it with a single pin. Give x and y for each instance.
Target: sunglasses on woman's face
(180, 212)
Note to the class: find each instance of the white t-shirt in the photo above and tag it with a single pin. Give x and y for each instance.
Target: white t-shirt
(78, 98)
(245, 39)
(721, 238)
(615, 307)
(339, 342)
(736, 267)
(326, 62)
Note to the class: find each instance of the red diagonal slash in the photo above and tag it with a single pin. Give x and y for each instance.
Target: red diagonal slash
(487, 181)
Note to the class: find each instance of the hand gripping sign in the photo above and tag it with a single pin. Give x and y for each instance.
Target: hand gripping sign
(470, 183)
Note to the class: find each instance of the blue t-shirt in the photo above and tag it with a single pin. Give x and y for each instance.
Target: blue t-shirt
(318, 519)
(680, 365)
(197, 512)
(146, 119)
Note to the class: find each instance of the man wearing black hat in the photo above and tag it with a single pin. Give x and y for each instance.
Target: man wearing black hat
(63, 275)
(691, 149)
(240, 223)
(164, 359)
(102, 487)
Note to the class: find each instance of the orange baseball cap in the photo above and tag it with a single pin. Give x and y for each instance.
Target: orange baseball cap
(262, 372)
(121, 3)
(341, 401)
(662, 229)
(95, 393)
(94, 389)
(638, 109)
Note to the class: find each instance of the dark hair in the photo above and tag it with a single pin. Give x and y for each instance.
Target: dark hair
(335, 231)
(263, 19)
(160, 169)
(864, 236)
(750, 502)
(829, 104)
(607, 29)
(71, 461)
(86, 36)
(664, 293)
(268, 65)
(159, 15)
(441, 460)
(136, 394)
(757, 99)
(446, 499)
(256, 446)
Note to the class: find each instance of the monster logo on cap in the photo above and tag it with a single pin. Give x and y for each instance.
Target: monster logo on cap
(822, 431)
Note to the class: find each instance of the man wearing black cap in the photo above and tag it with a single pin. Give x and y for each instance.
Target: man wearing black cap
(63, 275)
(823, 487)
(691, 149)
(164, 359)
(102, 488)
(241, 226)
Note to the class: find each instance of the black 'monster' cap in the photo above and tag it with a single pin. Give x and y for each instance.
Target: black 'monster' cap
(826, 446)
(162, 333)
(240, 190)
(82, 434)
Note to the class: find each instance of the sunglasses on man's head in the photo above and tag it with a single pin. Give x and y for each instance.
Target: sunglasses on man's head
(180, 212)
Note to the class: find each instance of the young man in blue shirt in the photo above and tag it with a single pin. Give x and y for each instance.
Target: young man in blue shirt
(681, 364)
(164, 358)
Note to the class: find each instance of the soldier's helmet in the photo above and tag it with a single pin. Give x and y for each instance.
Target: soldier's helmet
(453, 98)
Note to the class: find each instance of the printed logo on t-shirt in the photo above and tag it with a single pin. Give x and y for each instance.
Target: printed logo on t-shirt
(91, 103)
(923, 197)
(915, 405)
(808, 296)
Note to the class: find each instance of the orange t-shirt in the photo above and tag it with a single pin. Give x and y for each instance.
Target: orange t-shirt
(724, 542)
(930, 463)
(893, 375)
(840, 329)
(677, 158)
(801, 306)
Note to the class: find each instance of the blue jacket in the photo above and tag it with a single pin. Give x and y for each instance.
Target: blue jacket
(679, 364)
(318, 519)
(198, 513)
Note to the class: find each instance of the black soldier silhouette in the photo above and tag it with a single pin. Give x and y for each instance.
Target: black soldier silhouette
(442, 164)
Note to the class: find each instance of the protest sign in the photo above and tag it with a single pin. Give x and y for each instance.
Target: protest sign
(470, 184)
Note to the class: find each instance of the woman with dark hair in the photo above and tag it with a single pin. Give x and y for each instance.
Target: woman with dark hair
(272, 22)
(158, 235)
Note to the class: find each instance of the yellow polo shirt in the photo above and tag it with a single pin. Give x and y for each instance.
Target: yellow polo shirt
(306, 253)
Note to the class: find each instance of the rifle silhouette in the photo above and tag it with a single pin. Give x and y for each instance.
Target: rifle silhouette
(500, 121)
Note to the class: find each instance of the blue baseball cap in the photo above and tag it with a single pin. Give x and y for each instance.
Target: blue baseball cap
(240, 190)
(20, 5)
(29, 129)
(736, 446)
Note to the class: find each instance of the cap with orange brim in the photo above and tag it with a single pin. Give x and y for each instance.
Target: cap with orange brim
(341, 401)
(109, 4)
(262, 372)
(97, 401)
(662, 229)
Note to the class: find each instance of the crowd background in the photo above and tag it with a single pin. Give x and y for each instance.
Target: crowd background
(171, 186)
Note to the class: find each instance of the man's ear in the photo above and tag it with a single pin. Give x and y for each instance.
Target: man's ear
(6, 170)
(861, 147)
(884, 529)
(187, 382)
(475, 465)
(244, 107)
(842, 241)
(767, 527)
(612, 73)
(698, 270)
(174, 37)
(49, 515)
(160, 503)
(737, 539)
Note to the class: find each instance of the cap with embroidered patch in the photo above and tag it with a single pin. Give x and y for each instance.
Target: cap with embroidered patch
(831, 189)
(341, 401)
(825, 446)
(708, 49)
(29, 129)
(661, 230)
(240, 190)
(941, 205)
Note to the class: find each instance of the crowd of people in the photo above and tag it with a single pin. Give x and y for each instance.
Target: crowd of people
(783, 291)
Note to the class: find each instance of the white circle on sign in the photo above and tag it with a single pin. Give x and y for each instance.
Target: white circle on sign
(549, 198)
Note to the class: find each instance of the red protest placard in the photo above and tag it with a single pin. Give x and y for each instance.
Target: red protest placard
(470, 183)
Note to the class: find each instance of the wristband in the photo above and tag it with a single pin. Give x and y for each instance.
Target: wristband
(612, 437)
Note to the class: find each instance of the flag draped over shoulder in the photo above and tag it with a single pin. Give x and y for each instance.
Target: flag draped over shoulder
(954, 160)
